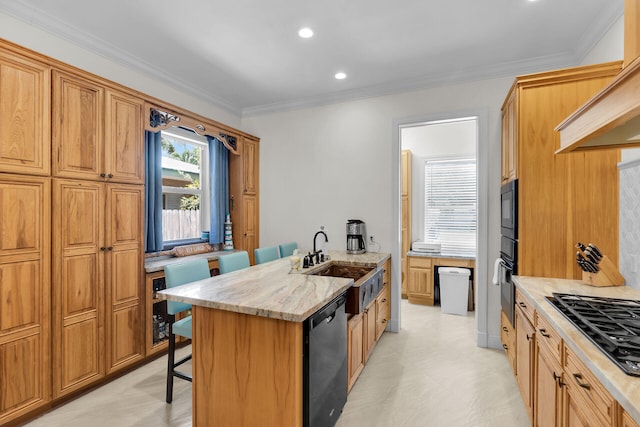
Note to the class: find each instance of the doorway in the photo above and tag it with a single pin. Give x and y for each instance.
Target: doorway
(442, 140)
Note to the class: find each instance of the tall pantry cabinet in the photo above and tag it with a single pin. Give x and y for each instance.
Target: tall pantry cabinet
(98, 208)
(562, 198)
(25, 201)
(243, 196)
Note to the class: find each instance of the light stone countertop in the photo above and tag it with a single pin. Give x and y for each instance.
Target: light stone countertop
(624, 388)
(270, 290)
(153, 264)
(439, 255)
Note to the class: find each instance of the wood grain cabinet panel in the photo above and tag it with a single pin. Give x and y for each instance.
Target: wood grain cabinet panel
(420, 284)
(557, 206)
(405, 196)
(124, 138)
(98, 133)
(25, 115)
(525, 347)
(78, 127)
(78, 270)
(25, 325)
(244, 196)
(98, 279)
(355, 346)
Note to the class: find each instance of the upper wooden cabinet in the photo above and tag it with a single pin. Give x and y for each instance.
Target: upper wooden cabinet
(563, 198)
(631, 31)
(509, 138)
(97, 132)
(25, 115)
(25, 321)
(243, 195)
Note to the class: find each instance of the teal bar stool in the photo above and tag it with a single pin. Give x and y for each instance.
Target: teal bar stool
(286, 249)
(176, 275)
(233, 262)
(270, 253)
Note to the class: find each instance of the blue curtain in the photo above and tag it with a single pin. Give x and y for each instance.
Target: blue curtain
(153, 191)
(219, 164)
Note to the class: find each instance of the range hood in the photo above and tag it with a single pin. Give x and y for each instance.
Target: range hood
(611, 119)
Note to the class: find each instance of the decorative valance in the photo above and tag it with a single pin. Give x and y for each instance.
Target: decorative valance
(161, 120)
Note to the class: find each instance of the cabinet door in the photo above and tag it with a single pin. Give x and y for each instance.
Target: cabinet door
(124, 138)
(355, 347)
(524, 357)
(420, 285)
(369, 316)
(250, 164)
(548, 391)
(627, 421)
(507, 337)
(78, 270)
(509, 138)
(250, 218)
(124, 275)
(25, 364)
(78, 127)
(25, 114)
(383, 310)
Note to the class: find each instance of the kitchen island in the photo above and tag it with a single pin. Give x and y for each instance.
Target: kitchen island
(248, 339)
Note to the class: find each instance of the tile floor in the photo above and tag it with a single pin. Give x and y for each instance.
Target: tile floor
(431, 374)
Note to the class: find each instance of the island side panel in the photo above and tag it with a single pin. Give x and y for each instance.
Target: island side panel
(247, 370)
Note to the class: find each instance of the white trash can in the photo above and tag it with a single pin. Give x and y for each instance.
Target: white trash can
(454, 290)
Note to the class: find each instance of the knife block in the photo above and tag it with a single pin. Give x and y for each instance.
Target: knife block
(607, 276)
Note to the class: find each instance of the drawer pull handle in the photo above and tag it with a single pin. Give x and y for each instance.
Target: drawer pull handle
(504, 328)
(529, 337)
(523, 305)
(544, 333)
(578, 377)
(506, 347)
(558, 379)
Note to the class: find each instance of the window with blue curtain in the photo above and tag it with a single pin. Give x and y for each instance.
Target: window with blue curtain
(187, 188)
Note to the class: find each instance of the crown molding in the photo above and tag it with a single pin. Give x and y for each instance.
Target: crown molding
(36, 17)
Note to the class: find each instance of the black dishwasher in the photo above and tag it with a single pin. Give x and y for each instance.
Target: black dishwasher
(325, 364)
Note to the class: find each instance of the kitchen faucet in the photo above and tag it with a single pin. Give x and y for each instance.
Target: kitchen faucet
(326, 239)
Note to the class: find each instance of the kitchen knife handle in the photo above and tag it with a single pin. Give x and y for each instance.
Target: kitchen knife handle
(596, 250)
(580, 246)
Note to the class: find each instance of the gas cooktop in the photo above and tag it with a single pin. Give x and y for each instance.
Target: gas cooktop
(612, 324)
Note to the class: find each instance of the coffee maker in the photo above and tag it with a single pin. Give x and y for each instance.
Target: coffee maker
(356, 237)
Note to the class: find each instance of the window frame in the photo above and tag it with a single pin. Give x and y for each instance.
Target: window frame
(193, 139)
(423, 198)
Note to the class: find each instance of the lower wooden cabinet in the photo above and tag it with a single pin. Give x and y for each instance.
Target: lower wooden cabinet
(365, 329)
(548, 378)
(508, 339)
(588, 402)
(97, 281)
(355, 348)
(525, 347)
(420, 281)
(25, 301)
(626, 420)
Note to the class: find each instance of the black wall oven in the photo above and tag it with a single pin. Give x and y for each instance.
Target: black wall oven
(509, 210)
(507, 268)
(508, 247)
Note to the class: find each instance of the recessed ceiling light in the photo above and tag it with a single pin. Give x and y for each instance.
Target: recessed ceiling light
(340, 76)
(305, 33)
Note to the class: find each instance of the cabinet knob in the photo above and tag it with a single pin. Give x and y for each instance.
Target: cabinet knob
(102, 175)
(529, 337)
(110, 248)
(384, 320)
(102, 248)
(506, 347)
(110, 175)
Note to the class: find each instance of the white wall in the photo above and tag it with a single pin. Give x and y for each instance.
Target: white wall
(45, 43)
(610, 47)
(324, 165)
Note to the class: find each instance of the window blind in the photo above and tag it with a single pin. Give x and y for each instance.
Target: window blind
(451, 205)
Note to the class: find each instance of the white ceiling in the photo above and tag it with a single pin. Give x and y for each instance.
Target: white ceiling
(246, 56)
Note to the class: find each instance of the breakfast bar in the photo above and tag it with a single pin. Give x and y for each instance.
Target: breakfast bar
(248, 339)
